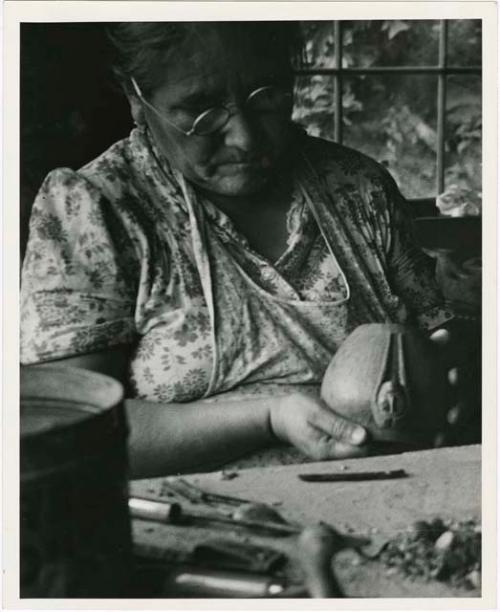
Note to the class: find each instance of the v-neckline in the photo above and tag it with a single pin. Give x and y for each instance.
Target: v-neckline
(293, 220)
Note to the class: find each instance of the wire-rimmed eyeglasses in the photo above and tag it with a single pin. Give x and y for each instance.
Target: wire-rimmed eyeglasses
(267, 99)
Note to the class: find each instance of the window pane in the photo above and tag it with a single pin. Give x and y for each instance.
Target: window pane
(319, 44)
(393, 119)
(464, 42)
(463, 132)
(390, 43)
(314, 105)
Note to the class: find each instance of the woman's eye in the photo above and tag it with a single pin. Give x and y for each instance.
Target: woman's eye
(199, 105)
(185, 114)
(195, 108)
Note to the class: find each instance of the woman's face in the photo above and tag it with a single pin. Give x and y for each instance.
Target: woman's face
(243, 156)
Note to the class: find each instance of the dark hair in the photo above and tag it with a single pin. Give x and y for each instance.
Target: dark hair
(142, 49)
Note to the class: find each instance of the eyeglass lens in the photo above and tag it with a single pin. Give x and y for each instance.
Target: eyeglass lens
(265, 99)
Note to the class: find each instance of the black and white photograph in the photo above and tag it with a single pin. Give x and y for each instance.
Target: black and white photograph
(251, 320)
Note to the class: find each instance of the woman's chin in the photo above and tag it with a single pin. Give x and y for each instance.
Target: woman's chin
(237, 184)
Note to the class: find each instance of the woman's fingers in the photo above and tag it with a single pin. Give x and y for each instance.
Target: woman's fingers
(453, 377)
(441, 337)
(322, 447)
(341, 450)
(337, 427)
(457, 413)
(440, 440)
(453, 415)
(314, 429)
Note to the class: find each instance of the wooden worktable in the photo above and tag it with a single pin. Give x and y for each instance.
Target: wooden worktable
(442, 482)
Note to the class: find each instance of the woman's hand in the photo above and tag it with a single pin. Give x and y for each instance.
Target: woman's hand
(462, 422)
(309, 425)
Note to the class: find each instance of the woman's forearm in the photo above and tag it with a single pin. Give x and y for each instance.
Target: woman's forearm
(172, 438)
(202, 435)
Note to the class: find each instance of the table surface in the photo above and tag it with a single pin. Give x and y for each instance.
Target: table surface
(442, 482)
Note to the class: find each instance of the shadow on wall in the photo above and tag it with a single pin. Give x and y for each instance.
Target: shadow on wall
(71, 108)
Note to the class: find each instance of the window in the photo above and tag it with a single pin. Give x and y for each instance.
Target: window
(407, 93)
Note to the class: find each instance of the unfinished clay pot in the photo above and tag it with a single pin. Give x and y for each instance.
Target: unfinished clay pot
(390, 379)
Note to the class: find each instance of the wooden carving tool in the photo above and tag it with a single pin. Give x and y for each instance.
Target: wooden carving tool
(352, 476)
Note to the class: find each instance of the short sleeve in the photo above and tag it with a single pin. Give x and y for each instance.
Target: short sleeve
(411, 271)
(79, 277)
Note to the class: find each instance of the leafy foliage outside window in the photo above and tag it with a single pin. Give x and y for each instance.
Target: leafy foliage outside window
(392, 117)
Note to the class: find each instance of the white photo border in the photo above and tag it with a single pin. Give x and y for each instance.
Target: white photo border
(16, 12)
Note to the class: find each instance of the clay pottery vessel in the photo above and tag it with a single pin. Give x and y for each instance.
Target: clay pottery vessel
(391, 379)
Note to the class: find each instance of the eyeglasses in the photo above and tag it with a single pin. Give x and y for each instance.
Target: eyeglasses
(268, 99)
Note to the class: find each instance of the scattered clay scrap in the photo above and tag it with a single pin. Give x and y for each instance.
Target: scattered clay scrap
(228, 475)
(441, 550)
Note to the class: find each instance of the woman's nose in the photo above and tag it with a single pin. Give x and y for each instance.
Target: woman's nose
(239, 131)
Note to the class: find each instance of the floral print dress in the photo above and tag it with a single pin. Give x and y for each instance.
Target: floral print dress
(124, 251)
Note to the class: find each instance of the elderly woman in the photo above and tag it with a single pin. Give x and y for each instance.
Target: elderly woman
(218, 249)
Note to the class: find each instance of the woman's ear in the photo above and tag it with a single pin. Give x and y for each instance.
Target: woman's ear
(136, 110)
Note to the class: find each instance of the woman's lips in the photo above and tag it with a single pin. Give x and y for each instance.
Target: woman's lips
(262, 162)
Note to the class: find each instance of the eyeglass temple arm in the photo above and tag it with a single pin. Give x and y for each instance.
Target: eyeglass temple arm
(136, 88)
(138, 92)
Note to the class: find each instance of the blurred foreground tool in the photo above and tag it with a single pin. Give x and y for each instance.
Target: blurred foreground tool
(203, 582)
(227, 554)
(173, 579)
(173, 514)
(195, 495)
(214, 568)
(224, 568)
(353, 476)
(162, 512)
(316, 546)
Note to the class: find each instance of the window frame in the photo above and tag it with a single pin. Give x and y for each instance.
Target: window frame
(441, 69)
